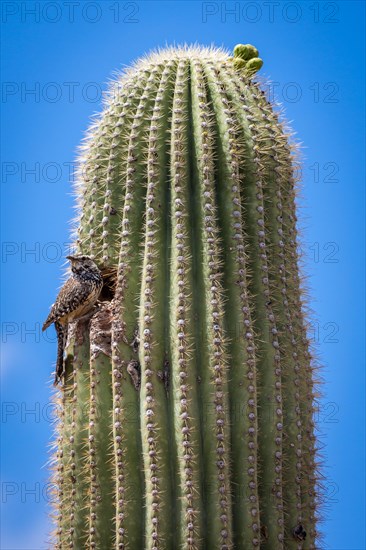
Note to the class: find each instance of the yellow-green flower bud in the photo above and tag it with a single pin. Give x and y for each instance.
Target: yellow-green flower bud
(253, 65)
(245, 51)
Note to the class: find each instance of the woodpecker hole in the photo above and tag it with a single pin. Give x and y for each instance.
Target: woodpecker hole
(109, 275)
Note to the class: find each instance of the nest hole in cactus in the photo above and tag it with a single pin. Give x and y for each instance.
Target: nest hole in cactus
(109, 283)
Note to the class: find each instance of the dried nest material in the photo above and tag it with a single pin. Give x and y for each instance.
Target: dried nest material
(100, 331)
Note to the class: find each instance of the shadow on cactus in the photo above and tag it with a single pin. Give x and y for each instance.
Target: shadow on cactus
(186, 408)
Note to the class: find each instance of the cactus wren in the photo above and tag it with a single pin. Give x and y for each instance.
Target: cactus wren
(76, 298)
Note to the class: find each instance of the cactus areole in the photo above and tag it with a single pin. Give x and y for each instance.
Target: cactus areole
(186, 411)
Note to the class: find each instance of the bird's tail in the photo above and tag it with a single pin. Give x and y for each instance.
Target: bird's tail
(61, 331)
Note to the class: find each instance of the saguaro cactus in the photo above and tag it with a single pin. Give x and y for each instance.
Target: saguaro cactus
(186, 416)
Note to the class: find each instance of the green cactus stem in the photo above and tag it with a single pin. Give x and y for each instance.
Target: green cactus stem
(186, 417)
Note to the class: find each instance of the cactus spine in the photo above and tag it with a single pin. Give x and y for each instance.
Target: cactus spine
(186, 418)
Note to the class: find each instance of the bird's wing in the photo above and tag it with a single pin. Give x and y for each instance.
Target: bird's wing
(68, 299)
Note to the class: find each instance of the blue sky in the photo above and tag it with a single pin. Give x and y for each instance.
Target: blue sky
(57, 59)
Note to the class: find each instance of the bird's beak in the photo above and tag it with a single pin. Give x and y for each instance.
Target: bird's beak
(71, 258)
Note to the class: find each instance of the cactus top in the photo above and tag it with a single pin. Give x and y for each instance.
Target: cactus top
(139, 104)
